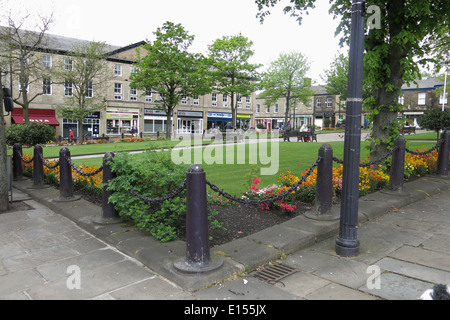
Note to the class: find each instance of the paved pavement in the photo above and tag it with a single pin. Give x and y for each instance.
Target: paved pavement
(54, 250)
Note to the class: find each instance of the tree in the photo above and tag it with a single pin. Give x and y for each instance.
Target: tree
(169, 69)
(435, 119)
(230, 68)
(85, 74)
(393, 55)
(336, 79)
(286, 78)
(22, 51)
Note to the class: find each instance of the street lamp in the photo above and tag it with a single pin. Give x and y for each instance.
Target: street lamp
(347, 243)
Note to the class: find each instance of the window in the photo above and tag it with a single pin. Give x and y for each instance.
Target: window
(68, 88)
(46, 61)
(268, 109)
(225, 100)
(133, 69)
(247, 100)
(329, 102)
(68, 64)
(258, 108)
(401, 99)
(442, 100)
(196, 101)
(422, 98)
(214, 99)
(117, 70)
(46, 86)
(319, 103)
(117, 91)
(184, 100)
(148, 95)
(133, 94)
(90, 90)
(276, 108)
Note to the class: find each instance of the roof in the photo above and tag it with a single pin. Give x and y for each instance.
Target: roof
(423, 84)
(63, 45)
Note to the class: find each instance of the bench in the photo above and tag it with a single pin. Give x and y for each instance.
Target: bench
(301, 135)
(408, 130)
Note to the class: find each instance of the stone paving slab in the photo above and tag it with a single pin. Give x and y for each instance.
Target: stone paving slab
(398, 287)
(413, 270)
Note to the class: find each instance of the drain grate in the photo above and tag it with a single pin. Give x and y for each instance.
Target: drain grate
(274, 273)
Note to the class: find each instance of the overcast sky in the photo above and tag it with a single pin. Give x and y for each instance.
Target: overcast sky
(126, 22)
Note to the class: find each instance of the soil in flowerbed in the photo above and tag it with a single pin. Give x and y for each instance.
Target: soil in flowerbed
(242, 220)
(238, 220)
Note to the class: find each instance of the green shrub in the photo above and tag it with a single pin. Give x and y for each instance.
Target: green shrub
(153, 176)
(29, 134)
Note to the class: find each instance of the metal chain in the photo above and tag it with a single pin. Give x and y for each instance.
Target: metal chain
(84, 174)
(427, 151)
(46, 164)
(267, 200)
(21, 157)
(368, 164)
(161, 199)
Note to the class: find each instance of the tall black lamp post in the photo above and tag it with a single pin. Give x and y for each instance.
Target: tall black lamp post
(347, 243)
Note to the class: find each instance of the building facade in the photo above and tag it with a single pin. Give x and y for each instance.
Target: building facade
(417, 98)
(126, 107)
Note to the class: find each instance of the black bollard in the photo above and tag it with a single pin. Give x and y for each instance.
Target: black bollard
(397, 168)
(38, 168)
(324, 187)
(442, 167)
(198, 257)
(17, 162)
(65, 177)
(109, 213)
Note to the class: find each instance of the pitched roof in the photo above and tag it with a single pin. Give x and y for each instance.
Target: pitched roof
(62, 44)
(423, 84)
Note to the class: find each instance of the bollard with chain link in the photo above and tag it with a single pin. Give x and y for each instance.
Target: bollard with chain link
(443, 155)
(324, 187)
(38, 168)
(65, 177)
(17, 161)
(109, 213)
(198, 257)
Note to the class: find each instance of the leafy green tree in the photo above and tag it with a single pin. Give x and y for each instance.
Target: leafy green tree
(230, 68)
(170, 69)
(336, 78)
(435, 119)
(394, 52)
(286, 78)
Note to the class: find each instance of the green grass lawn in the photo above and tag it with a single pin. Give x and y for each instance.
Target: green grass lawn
(231, 174)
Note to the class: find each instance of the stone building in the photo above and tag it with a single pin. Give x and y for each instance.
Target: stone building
(126, 107)
(420, 96)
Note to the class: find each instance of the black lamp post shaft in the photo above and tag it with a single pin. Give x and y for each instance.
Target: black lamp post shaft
(347, 243)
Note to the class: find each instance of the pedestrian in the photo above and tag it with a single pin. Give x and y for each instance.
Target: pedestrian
(71, 136)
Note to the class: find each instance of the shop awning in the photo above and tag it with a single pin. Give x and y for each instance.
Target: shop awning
(35, 115)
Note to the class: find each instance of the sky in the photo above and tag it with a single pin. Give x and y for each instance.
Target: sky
(125, 22)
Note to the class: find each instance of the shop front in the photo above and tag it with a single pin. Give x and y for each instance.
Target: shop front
(91, 126)
(121, 120)
(243, 121)
(35, 115)
(189, 122)
(218, 120)
(155, 121)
